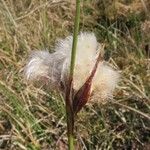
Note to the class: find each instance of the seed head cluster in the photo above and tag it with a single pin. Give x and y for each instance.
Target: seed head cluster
(54, 67)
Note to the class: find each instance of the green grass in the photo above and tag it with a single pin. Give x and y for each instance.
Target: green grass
(33, 118)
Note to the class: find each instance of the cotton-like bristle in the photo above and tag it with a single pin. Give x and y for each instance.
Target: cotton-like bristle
(85, 56)
(104, 82)
(44, 66)
(38, 65)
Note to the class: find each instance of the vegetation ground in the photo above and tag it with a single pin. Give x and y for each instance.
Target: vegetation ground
(33, 118)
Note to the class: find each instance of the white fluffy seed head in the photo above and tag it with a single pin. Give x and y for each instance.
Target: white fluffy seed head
(85, 56)
(38, 65)
(43, 66)
(55, 66)
(85, 59)
(104, 82)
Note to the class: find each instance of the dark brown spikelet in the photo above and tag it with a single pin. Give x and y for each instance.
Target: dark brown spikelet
(82, 96)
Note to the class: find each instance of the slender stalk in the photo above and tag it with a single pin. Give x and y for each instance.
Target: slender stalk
(69, 90)
(75, 37)
(70, 115)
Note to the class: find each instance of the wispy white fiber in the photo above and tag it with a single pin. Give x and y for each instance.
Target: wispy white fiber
(55, 66)
(104, 82)
(85, 56)
(42, 65)
(38, 65)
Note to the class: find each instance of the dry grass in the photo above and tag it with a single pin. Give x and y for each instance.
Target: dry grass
(32, 118)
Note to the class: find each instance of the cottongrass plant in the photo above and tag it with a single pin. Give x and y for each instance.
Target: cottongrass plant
(76, 70)
(93, 79)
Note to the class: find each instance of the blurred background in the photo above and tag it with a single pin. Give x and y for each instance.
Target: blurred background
(33, 118)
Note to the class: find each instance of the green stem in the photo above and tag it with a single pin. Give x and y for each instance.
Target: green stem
(75, 37)
(69, 91)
